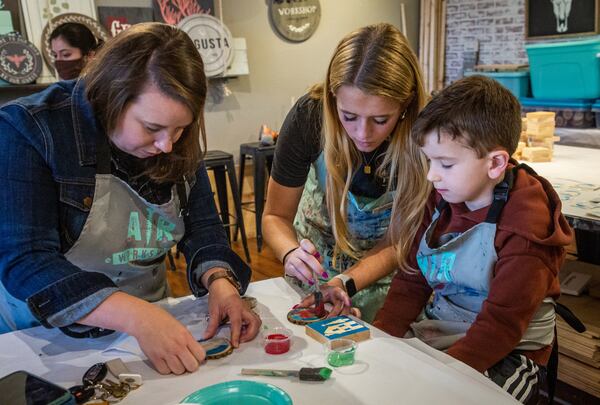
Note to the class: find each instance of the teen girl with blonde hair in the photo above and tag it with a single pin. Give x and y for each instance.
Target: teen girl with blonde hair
(344, 166)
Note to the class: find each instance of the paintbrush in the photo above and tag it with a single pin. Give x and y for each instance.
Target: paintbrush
(304, 374)
(319, 303)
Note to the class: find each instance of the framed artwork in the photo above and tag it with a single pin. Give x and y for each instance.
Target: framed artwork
(173, 11)
(561, 18)
(117, 19)
(37, 13)
(10, 17)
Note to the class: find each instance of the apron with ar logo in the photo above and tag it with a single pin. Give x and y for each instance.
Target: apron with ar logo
(124, 237)
(367, 221)
(460, 272)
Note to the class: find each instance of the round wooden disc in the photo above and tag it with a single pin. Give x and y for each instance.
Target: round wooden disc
(217, 347)
(304, 316)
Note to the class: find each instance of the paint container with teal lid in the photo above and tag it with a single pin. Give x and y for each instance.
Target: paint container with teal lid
(340, 352)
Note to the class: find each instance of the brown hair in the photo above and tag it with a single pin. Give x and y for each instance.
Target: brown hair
(78, 36)
(476, 109)
(151, 54)
(376, 59)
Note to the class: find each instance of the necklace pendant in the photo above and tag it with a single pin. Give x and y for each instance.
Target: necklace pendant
(367, 169)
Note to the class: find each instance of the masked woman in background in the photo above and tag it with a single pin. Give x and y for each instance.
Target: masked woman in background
(73, 45)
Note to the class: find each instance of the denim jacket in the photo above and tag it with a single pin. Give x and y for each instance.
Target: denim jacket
(47, 177)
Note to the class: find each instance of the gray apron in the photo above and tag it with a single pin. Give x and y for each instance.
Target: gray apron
(460, 271)
(124, 237)
(368, 220)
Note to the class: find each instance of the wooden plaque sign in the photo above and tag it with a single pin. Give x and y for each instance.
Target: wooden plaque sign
(213, 41)
(20, 61)
(295, 20)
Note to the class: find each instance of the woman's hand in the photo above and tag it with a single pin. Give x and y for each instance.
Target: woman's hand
(166, 342)
(341, 303)
(224, 301)
(304, 263)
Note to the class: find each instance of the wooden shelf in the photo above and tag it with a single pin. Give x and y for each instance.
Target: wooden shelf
(23, 87)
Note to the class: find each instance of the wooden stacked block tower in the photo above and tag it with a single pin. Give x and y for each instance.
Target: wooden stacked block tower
(540, 137)
(522, 140)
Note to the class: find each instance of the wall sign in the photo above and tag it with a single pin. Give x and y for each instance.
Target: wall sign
(173, 11)
(561, 18)
(118, 19)
(10, 14)
(295, 20)
(20, 61)
(212, 39)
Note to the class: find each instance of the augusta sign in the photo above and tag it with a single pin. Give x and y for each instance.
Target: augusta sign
(212, 39)
(295, 20)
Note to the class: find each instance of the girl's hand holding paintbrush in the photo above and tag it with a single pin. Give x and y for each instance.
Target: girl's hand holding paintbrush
(304, 263)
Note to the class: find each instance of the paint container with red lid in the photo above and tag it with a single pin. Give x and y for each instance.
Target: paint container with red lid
(277, 340)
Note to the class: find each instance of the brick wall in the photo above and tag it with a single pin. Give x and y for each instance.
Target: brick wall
(498, 26)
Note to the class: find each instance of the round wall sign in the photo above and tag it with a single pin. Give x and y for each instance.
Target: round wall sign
(295, 20)
(212, 39)
(20, 61)
(94, 26)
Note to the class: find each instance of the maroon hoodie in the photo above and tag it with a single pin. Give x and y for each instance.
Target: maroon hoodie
(530, 238)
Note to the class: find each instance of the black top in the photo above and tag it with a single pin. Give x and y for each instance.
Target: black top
(128, 168)
(299, 145)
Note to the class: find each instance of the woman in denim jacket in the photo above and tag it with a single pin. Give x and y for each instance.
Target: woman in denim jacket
(99, 179)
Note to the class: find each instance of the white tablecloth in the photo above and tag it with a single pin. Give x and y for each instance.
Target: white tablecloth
(575, 174)
(387, 371)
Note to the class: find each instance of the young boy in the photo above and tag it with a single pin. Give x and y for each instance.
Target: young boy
(490, 246)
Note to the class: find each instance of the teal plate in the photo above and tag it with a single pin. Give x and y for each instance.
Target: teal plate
(239, 392)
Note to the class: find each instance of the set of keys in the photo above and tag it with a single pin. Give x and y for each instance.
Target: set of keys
(98, 390)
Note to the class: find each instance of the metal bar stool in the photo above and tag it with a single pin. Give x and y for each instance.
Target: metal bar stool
(220, 163)
(262, 155)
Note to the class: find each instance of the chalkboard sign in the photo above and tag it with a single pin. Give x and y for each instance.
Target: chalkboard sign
(560, 18)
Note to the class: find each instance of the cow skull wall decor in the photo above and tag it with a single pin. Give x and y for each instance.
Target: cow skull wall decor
(562, 9)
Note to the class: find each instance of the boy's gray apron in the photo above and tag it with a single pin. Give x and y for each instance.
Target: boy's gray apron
(124, 237)
(460, 271)
(368, 220)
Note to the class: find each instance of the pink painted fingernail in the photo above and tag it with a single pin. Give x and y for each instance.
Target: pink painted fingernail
(311, 282)
(295, 306)
(325, 275)
(317, 255)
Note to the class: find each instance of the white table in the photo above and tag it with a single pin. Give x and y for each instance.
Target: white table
(387, 371)
(575, 174)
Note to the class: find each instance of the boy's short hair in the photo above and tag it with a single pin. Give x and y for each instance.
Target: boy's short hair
(476, 109)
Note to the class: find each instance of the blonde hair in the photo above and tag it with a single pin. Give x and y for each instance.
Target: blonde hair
(151, 54)
(377, 60)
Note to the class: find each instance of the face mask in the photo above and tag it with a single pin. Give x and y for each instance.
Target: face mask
(69, 69)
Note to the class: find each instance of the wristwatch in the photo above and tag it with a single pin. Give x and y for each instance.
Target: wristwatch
(226, 274)
(348, 283)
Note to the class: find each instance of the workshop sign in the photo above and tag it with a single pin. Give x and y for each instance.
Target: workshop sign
(295, 20)
(212, 39)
